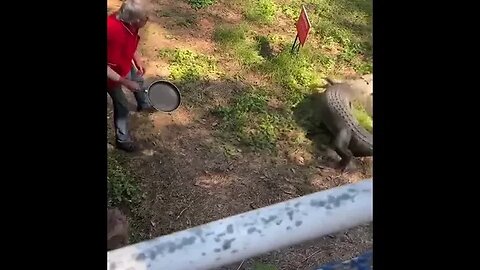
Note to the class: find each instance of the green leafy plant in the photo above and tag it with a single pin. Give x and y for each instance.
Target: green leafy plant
(198, 4)
(188, 66)
(121, 186)
(263, 11)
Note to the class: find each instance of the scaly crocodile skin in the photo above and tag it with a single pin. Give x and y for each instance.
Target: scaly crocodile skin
(338, 102)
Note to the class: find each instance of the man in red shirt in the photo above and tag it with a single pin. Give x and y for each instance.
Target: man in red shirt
(124, 66)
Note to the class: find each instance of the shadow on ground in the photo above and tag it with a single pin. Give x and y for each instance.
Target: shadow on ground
(308, 116)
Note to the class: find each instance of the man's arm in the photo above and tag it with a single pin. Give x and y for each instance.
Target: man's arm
(112, 75)
(137, 60)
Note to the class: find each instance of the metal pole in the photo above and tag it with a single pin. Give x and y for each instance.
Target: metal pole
(294, 44)
(252, 233)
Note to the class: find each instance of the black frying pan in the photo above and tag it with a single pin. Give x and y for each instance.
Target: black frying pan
(164, 96)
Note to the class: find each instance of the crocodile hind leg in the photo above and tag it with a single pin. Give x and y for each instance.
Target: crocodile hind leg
(341, 143)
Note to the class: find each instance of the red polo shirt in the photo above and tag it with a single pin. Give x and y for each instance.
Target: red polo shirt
(122, 42)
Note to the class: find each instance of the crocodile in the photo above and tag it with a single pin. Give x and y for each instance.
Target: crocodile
(350, 139)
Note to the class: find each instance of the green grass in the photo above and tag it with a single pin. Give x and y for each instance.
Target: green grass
(249, 54)
(295, 73)
(124, 192)
(188, 66)
(346, 23)
(249, 120)
(230, 34)
(261, 11)
(236, 39)
(340, 40)
(122, 189)
(263, 266)
(363, 118)
(198, 4)
(290, 10)
(343, 24)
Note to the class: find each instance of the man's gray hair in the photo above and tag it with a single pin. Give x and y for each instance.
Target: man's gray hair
(132, 11)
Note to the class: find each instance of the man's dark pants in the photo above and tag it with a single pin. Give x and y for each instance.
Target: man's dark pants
(120, 107)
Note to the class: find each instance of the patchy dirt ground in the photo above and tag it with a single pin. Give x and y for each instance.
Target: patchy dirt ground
(190, 176)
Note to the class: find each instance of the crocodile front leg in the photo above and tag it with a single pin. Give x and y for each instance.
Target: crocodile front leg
(341, 143)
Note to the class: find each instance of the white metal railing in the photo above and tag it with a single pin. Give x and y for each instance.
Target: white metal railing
(249, 234)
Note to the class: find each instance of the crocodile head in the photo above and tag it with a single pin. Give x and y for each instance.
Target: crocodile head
(368, 78)
(361, 89)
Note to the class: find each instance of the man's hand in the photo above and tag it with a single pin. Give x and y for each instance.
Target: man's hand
(131, 85)
(137, 60)
(141, 67)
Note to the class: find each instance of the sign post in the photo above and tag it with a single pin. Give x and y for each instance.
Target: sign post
(303, 28)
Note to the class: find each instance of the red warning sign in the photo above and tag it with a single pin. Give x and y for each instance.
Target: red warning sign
(303, 26)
